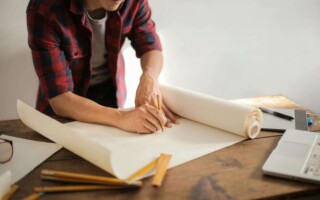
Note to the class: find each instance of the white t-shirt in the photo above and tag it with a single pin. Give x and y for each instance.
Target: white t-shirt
(99, 71)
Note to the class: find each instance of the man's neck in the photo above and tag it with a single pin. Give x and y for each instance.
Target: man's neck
(97, 14)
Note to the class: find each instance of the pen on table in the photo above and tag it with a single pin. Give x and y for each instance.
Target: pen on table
(159, 107)
(277, 114)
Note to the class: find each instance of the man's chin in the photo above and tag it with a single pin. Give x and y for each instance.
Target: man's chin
(114, 7)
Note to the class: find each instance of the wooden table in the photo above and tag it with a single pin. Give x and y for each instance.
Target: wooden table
(230, 173)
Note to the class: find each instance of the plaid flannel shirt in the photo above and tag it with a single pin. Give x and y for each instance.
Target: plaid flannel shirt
(60, 40)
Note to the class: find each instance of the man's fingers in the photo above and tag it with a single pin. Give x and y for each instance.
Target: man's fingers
(150, 119)
(172, 117)
(154, 115)
(150, 126)
(158, 117)
(146, 127)
(144, 130)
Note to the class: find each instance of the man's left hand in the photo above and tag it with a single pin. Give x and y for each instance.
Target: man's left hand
(147, 92)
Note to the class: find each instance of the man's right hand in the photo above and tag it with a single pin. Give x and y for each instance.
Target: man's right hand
(143, 119)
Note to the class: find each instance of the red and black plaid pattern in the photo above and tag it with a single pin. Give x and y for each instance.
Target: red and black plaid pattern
(60, 40)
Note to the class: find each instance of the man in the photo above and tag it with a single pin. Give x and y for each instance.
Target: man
(76, 46)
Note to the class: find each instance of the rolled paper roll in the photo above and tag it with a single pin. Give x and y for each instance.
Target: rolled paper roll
(230, 116)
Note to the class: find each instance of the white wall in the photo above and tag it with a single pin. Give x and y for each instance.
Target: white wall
(243, 48)
(17, 77)
(226, 48)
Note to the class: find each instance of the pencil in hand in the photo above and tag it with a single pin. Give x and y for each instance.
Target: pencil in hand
(159, 107)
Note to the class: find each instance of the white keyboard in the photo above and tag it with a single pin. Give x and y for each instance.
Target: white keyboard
(313, 163)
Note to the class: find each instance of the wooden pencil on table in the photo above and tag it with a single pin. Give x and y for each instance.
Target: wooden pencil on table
(74, 180)
(33, 196)
(84, 178)
(75, 188)
(11, 192)
(143, 171)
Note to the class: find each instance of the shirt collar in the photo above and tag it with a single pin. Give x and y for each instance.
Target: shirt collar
(76, 6)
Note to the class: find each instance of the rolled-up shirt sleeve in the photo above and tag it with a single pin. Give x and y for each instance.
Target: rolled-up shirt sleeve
(144, 37)
(49, 60)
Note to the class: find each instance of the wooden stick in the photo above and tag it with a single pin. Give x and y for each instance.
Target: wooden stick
(33, 196)
(75, 180)
(75, 188)
(143, 171)
(85, 177)
(161, 169)
(11, 192)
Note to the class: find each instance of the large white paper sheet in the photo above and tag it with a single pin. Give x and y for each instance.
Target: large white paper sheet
(130, 152)
(64, 136)
(27, 155)
(122, 153)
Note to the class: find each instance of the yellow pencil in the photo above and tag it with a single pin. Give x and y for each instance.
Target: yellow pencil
(75, 188)
(143, 171)
(84, 178)
(9, 194)
(33, 196)
(159, 107)
(75, 180)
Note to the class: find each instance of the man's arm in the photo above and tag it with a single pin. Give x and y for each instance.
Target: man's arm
(148, 89)
(79, 108)
(144, 119)
(146, 43)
